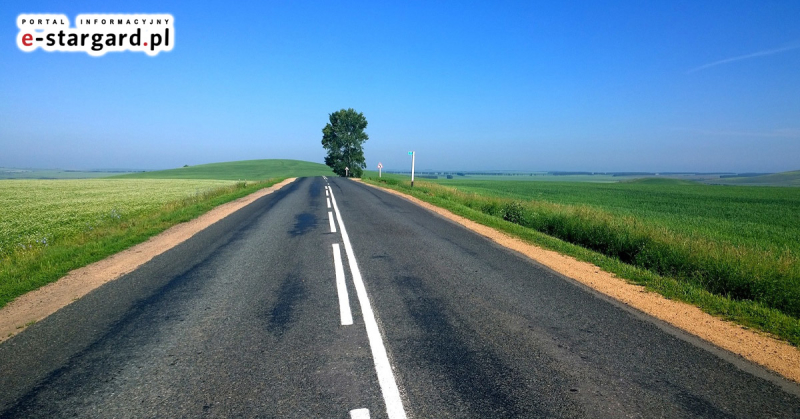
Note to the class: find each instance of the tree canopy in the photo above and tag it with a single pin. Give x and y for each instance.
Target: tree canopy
(343, 137)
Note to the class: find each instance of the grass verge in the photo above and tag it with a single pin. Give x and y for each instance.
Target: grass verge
(25, 270)
(576, 226)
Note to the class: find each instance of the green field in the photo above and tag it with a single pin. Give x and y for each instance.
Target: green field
(6, 173)
(239, 170)
(49, 227)
(37, 212)
(758, 218)
(536, 178)
(775, 179)
(734, 251)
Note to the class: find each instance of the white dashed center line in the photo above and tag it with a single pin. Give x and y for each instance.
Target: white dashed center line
(341, 288)
(389, 389)
(359, 414)
(330, 219)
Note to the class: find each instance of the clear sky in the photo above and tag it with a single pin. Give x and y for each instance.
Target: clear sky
(528, 85)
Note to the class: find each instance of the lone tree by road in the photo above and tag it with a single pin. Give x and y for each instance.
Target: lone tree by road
(343, 137)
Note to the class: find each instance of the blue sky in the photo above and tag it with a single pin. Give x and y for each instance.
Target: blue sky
(617, 86)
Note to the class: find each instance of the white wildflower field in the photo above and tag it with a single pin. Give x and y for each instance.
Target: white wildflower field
(33, 213)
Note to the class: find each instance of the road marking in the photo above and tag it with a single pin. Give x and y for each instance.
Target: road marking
(326, 191)
(341, 288)
(330, 219)
(391, 394)
(359, 414)
(329, 202)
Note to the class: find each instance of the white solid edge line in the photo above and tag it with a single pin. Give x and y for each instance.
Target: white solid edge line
(359, 414)
(341, 287)
(391, 394)
(330, 219)
(329, 202)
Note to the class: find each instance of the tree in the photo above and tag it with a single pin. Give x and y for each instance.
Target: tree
(343, 137)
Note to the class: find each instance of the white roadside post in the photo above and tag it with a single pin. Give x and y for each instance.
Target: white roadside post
(380, 166)
(346, 171)
(413, 155)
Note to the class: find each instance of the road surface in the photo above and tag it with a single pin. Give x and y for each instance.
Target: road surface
(397, 313)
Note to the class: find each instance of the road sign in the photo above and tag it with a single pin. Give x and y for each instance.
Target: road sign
(410, 153)
(380, 166)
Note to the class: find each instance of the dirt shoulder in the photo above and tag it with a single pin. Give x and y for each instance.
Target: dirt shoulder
(756, 347)
(38, 304)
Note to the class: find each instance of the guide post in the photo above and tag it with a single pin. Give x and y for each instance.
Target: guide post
(413, 155)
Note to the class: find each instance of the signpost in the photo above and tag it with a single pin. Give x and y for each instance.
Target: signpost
(346, 171)
(413, 156)
(380, 166)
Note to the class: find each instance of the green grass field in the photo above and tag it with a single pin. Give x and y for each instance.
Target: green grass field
(775, 179)
(6, 173)
(42, 211)
(758, 218)
(239, 170)
(734, 251)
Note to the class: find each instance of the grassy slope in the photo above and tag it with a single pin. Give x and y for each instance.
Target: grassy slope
(240, 170)
(600, 217)
(775, 179)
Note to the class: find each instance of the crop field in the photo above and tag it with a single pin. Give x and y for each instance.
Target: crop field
(759, 218)
(240, 170)
(775, 179)
(6, 173)
(36, 212)
(49, 227)
(740, 244)
(752, 179)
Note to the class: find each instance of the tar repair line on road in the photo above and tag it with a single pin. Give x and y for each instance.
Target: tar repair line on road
(391, 393)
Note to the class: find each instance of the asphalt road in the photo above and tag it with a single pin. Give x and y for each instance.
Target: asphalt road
(246, 320)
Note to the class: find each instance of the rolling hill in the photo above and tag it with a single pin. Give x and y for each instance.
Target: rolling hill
(239, 170)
